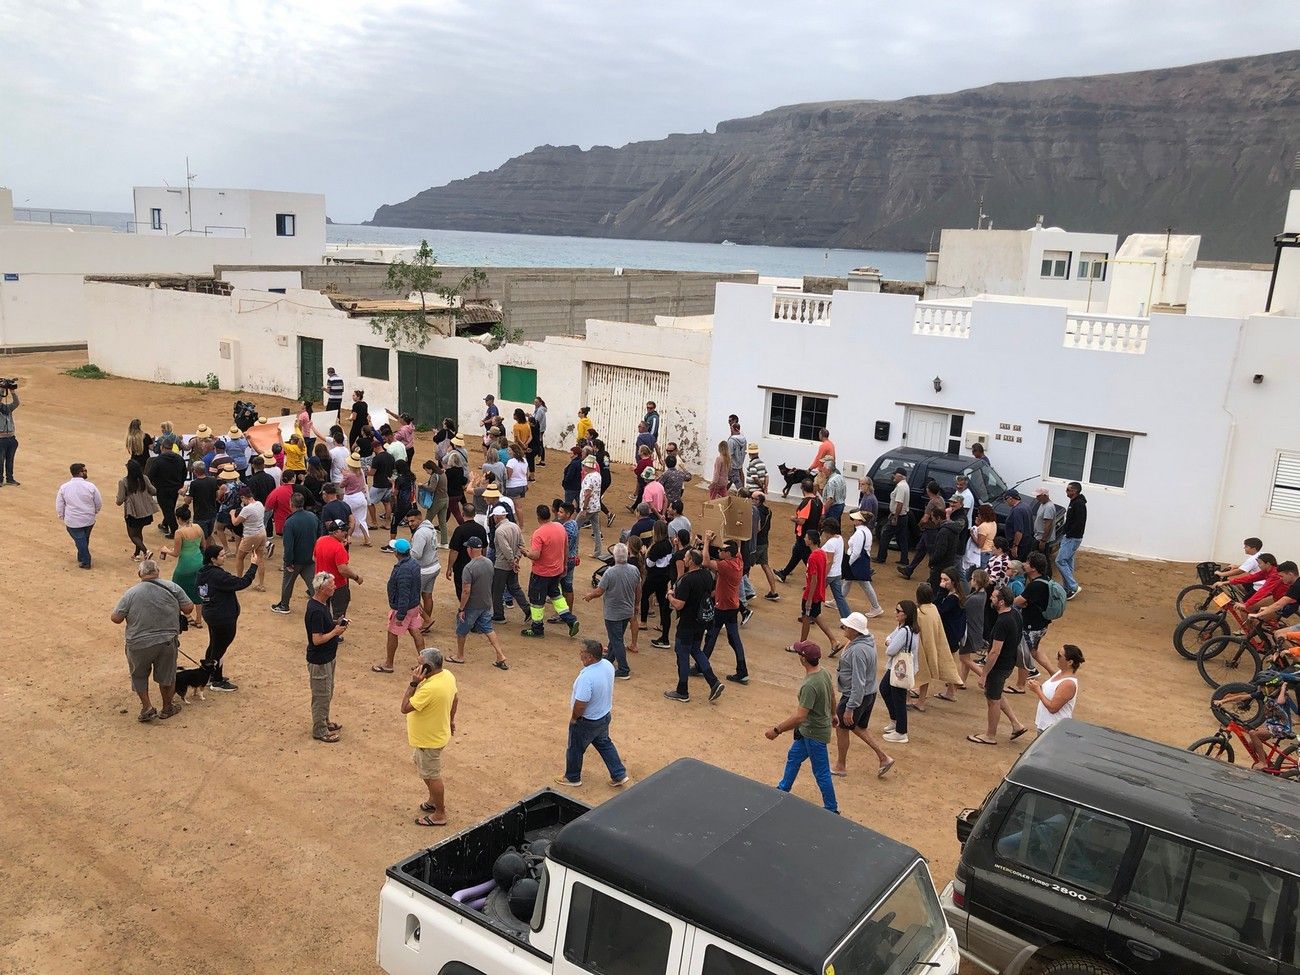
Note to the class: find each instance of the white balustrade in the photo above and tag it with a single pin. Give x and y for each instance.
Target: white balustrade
(801, 308)
(945, 321)
(1107, 333)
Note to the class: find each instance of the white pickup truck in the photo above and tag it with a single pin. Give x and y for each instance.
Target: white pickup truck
(695, 871)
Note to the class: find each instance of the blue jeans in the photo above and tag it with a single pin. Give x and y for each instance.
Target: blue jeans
(617, 649)
(8, 447)
(1065, 562)
(836, 585)
(728, 619)
(585, 732)
(688, 649)
(81, 538)
(814, 751)
(835, 511)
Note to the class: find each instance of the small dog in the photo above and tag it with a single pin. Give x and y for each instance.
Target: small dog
(192, 679)
(793, 476)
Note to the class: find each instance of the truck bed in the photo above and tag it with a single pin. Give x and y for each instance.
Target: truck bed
(466, 859)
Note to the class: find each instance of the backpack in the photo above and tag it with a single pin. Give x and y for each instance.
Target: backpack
(1055, 607)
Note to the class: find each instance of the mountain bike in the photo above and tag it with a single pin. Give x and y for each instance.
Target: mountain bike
(1198, 597)
(1241, 709)
(1194, 632)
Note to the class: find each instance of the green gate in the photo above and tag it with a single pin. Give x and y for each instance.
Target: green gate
(311, 368)
(427, 387)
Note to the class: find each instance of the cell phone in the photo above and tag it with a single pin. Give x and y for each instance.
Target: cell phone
(344, 621)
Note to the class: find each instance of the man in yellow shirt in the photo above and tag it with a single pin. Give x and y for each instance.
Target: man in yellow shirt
(430, 708)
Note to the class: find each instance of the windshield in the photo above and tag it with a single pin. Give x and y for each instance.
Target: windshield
(985, 483)
(905, 928)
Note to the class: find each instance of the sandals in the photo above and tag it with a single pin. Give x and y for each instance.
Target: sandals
(428, 807)
(838, 772)
(147, 715)
(501, 665)
(835, 652)
(170, 711)
(334, 727)
(453, 660)
(979, 740)
(884, 769)
(328, 738)
(1017, 734)
(427, 627)
(430, 821)
(945, 697)
(381, 669)
(1013, 690)
(917, 708)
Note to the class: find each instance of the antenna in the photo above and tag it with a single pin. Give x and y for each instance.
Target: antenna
(189, 191)
(980, 218)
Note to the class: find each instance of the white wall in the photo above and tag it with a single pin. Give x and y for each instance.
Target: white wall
(238, 213)
(6, 205)
(41, 310)
(262, 280)
(1227, 292)
(1152, 269)
(1088, 295)
(1014, 368)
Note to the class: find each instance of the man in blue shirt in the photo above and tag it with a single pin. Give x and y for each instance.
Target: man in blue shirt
(593, 703)
(652, 421)
(1020, 526)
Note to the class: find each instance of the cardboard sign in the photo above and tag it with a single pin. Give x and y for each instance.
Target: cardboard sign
(729, 517)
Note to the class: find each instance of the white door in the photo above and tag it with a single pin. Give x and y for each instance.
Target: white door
(617, 396)
(926, 429)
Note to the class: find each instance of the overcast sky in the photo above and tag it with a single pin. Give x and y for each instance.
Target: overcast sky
(370, 101)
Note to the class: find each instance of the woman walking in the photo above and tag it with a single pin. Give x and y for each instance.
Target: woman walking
(360, 417)
(435, 497)
(721, 471)
(135, 496)
(516, 473)
(457, 481)
(979, 547)
(904, 639)
(933, 659)
(539, 433)
(403, 500)
(353, 486)
(977, 605)
(137, 443)
(187, 550)
(1059, 693)
(658, 576)
(219, 589)
(951, 602)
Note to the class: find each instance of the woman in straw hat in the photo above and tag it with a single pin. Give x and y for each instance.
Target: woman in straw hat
(353, 486)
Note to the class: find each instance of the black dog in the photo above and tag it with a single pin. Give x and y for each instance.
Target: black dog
(192, 679)
(793, 476)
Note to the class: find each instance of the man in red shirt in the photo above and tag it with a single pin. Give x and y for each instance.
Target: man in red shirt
(277, 502)
(728, 567)
(331, 555)
(549, 552)
(814, 592)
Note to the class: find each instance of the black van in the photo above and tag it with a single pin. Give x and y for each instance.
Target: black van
(1106, 854)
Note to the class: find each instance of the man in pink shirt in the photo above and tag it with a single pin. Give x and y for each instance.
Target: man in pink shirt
(825, 449)
(77, 504)
(653, 494)
(549, 554)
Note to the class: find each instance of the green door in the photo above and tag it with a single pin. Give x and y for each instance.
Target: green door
(311, 368)
(427, 387)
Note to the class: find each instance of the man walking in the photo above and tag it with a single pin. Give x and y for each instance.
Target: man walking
(900, 501)
(1076, 521)
(811, 723)
(814, 593)
(507, 543)
(589, 501)
(834, 491)
(762, 528)
(651, 421)
(404, 614)
(1004, 643)
(591, 708)
(549, 554)
(77, 504)
(729, 568)
(621, 586)
(202, 493)
(429, 704)
(474, 615)
(424, 550)
(1044, 512)
(737, 448)
(807, 518)
(693, 600)
(167, 474)
(755, 471)
(323, 635)
(8, 434)
(300, 533)
(1020, 526)
(934, 515)
(333, 390)
(1032, 604)
(330, 554)
(151, 610)
(673, 479)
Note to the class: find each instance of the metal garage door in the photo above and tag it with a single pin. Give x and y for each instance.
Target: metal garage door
(617, 396)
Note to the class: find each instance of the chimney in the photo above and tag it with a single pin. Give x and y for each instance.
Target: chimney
(864, 279)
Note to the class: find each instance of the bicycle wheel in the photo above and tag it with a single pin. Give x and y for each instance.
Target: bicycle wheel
(1216, 747)
(1192, 632)
(1227, 658)
(1243, 703)
(1194, 599)
(1287, 763)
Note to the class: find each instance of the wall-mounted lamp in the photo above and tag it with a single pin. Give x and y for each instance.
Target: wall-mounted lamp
(1258, 378)
(938, 383)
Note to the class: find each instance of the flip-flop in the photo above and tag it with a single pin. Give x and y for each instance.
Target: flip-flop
(1017, 734)
(500, 665)
(945, 697)
(979, 740)
(429, 821)
(1012, 690)
(917, 708)
(836, 652)
(453, 660)
(884, 769)
(841, 774)
(427, 626)
(380, 669)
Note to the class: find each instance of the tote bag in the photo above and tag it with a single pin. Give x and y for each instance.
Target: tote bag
(902, 669)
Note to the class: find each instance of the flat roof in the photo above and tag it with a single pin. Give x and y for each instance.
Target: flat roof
(759, 867)
(1169, 789)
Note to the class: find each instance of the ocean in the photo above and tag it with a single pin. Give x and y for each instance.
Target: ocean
(466, 247)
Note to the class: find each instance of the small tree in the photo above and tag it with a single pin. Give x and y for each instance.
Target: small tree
(412, 329)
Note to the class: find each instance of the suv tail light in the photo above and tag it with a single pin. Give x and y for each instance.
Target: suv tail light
(959, 894)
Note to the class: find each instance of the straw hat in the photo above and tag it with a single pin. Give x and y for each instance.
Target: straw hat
(355, 461)
(458, 441)
(227, 473)
(269, 457)
(203, 431)
(491, 493)
(236, 432)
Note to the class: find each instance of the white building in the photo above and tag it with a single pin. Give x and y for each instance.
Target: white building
(281, 228)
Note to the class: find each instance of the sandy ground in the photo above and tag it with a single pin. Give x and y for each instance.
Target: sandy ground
(228, 840)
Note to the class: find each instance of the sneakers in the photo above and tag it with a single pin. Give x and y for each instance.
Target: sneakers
(779, 574)
(573, 628)
(716, 693)
(528, 631)
(1077, 590)
(745, 614)
(674, 696)
(738, 678)
(222, 685)
(619, 783)
(696, 672)
(894, 737)
(277, 608)
(609, 521)
(627, 676)
(270, 548)
(774, 596)
(661, 644)
(561, 780)
(874, 613)
(890, 727)
(905, 572)
(1033, 671)
(387, 548)
(13, 483)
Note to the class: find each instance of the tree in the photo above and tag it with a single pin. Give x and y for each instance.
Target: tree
(412, 329)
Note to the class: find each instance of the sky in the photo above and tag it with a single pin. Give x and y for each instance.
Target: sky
(371, 101)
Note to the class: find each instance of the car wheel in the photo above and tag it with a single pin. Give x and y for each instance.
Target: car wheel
(1075, 964)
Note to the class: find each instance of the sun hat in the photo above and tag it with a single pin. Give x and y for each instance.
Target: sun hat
(227, 474)
(589, 462)
(648, 474)
(269, 457)
(203, 431)
(856, 621)
(236, 432)
(752, 449)
(809, 651)
(401, 546)
(458, 441)
(492, 493)
(354, 461)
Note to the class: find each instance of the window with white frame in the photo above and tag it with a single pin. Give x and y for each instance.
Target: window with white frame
(1056, 264)
(155, 218)
(799, 416)
(1092, 266)
(1089, 456)
(284, 225)
(1284, 496)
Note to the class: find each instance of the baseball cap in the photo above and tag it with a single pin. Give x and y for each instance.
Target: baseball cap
(335, 525)
(1013, 493)
(499, 510)
(1042, 492)
(402, 547)
(809, 651)
(856, 621)
(474, 542)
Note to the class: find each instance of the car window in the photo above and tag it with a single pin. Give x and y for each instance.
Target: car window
(612, 937)
(889, 464)
(1232, 899)
(1077, 846)
(1032, 833)
(1160, 878)
(719, 961)
(905, 927)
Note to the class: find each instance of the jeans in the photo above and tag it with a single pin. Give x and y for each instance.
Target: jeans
(221, 634)
(507, 581)
(1064, 562)
(834, 511)
(799, 553)
(81, 538)
(688, 650)
(585, 732)
(656, 585)
(894, 530)
(8, 447)
(811, 750)
(592, 518)
(730, 619)
(836, 585)
(895, 699)
(321, 677)
(292, 572)
(867, 588)
(617, 648)
(922, 549)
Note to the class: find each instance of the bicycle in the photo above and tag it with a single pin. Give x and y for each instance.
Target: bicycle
(1198, 597)
(1193, 633)
(1241, 709)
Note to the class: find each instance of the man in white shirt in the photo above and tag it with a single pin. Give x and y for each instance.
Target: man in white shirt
(896, 526)
(589, 501)
(339, 455)
(967, 497)
(77, 504)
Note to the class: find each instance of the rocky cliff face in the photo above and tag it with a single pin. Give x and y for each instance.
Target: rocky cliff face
(1206, 148)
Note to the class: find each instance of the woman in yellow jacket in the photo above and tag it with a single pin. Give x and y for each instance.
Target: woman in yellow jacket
(933, 656)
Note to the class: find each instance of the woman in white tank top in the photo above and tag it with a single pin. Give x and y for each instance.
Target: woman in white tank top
(1058, 694)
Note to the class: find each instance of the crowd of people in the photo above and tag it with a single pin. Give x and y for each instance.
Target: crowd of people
(981, 616)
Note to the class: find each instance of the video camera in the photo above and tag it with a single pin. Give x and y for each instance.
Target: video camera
(8, 384)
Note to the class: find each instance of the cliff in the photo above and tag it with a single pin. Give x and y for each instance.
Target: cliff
(1205, 148)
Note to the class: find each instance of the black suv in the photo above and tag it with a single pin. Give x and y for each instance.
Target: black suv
(1106, 854)
(934, 465)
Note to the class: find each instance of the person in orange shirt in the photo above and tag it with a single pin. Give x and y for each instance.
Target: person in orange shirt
(825, 449)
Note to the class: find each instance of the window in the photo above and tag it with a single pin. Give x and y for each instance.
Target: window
(1056, 264)
(155, 218)
(1161, 875)
(796, 415)
(517, 385)
(1284, 498)
(372, 362)
(1092, 266)
(905, 929)
(955, 424)
(612, 937)
(1097, 458)
(284, 224)
(1051, 837)
(719, 961)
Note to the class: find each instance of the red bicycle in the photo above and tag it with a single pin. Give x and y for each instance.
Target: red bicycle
(1242, 708)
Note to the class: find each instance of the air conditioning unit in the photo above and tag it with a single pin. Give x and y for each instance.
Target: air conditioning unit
(974, 437)
(854, 468)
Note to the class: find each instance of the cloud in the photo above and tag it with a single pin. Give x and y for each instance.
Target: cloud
(373, 100)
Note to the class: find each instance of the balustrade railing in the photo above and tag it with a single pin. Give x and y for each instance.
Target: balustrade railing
(801, 308)
(1107, 333)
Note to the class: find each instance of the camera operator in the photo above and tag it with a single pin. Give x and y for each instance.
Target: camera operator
(8, 436)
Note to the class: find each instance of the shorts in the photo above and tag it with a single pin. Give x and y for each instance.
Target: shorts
(380, 495)
(862, 714)
(810, 610)
(760, 555)
(427, 582)
(253, 543)
(1029, 641)
(474, 621)
(160, 658)
(410, 623)
(428, 762)
(994, 681)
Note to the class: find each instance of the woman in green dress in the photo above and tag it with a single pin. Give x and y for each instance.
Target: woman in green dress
(187, 550)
